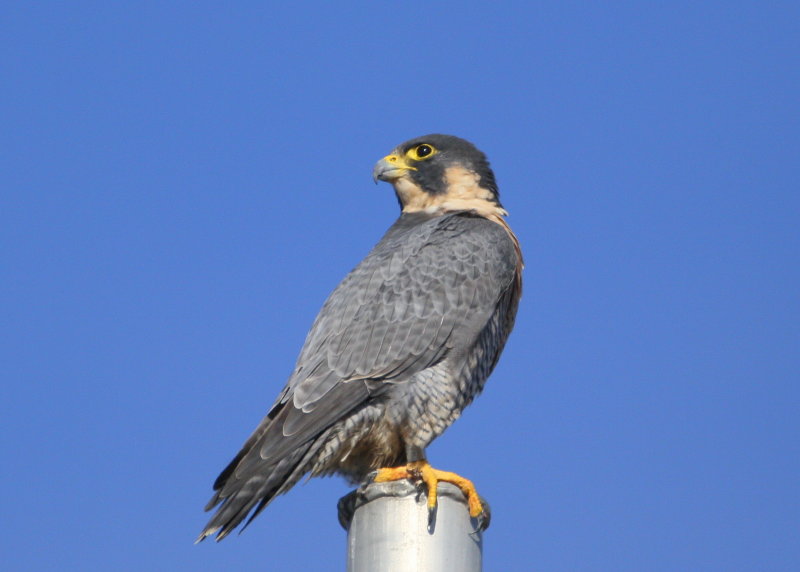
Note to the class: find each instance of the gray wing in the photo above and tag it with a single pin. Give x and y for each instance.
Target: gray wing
(398, 312)
(427, 285)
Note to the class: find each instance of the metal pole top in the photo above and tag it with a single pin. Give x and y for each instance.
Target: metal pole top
(387, 530)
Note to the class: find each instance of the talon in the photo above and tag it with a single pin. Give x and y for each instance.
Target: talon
(484, 518)
(421, 471)
(432, 519)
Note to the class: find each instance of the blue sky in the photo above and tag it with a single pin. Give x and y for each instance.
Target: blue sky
(183, 184)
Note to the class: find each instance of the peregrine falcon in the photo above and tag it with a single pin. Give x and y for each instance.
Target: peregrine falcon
(400, 347)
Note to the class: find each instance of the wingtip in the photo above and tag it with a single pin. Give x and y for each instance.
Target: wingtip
(200, 538)
(210, 532)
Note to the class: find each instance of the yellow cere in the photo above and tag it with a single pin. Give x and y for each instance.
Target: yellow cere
(398, 162)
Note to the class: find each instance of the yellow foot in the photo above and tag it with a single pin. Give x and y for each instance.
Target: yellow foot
(422, 471)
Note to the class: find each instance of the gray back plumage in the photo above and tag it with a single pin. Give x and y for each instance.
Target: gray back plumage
(429, 285)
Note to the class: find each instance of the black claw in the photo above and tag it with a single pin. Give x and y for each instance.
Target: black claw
(422, 494)
(432, 510)
(415, 478)
(346, 507)
(481, 523)
(483, 520)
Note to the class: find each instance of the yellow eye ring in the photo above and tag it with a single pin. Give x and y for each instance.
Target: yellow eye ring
(421, 151)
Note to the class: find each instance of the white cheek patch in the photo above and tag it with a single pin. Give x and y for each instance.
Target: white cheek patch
(465, 184)
(409, 193)
(464, 193)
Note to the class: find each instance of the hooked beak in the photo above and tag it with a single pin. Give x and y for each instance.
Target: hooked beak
(390, 168)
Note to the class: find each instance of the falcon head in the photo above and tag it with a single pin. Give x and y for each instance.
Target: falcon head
(439, 173)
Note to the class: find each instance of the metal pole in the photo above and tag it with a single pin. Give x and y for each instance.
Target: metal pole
(387, 530)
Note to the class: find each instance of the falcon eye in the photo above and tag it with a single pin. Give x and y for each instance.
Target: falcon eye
(422, 151)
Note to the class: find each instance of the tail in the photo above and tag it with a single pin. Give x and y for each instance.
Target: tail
(283, 448)
(237, 495)
(251, 481)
